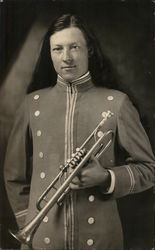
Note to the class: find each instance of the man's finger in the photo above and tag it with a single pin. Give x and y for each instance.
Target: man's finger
(75, 186)
(76, 180)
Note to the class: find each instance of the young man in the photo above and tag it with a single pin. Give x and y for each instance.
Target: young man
(53, 122)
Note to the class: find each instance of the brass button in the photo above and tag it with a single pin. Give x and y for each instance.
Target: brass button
(91, 220)
(42, 175)
(45, 219)
(47, 240)
(110, 98)
(90, 242)
(37, 113)
(38, 132)
(41, 155)
(91, 198)
(36, 97)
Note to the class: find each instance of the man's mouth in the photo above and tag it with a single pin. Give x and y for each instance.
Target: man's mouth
(68, 67)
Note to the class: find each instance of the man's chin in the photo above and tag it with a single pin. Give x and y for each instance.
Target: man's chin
(69, 77)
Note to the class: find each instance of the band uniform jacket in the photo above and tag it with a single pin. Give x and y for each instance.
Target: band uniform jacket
(50, 125)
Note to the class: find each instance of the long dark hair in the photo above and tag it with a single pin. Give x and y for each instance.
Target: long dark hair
(99, 65)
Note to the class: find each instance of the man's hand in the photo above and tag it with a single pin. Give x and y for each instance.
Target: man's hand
(92, 175)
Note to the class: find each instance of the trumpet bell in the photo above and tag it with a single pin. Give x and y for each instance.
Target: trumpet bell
(22, 237)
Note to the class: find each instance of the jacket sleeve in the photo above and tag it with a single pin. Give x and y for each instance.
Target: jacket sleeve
(137, 172)
(17, 167)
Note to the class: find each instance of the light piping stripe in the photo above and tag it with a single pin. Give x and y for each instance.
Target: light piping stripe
(131, 178)
(71, 97)
(86, 77)
(72, 121)
(81, 82)
(66, 154)
(83, 76)
(127, 167)
(65, 225)
(21, 213)
(69, 122)
(71, 142)
(66, 126)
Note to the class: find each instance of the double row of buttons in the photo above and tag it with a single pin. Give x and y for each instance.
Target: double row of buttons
(91, 198)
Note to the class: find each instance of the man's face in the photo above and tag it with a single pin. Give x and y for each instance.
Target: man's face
(69, 53)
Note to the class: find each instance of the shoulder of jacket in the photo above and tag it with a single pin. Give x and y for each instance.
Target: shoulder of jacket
(36, 94)
(111, 94)
(115, 99)
(114, 93)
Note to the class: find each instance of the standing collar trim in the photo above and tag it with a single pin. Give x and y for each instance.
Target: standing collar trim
(80, 81)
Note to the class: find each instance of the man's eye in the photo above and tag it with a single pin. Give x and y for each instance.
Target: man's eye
(57, 49)
(75, 47)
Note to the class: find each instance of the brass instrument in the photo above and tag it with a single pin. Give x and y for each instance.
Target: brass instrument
(79, 159)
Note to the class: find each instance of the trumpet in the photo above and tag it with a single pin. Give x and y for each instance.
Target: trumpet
(78, 160)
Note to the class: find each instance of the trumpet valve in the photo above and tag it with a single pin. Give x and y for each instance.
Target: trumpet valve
(76, 157)
(100, 134)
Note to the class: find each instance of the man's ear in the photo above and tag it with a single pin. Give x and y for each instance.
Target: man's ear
(90, 51)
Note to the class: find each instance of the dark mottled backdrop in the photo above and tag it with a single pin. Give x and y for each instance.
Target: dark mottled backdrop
(126, 31)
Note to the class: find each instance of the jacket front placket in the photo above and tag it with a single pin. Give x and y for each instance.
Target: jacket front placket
(71, 98)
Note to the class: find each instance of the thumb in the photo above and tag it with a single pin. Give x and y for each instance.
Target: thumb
(94, 159)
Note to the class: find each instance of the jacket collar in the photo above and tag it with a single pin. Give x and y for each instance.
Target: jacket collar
(81, 83)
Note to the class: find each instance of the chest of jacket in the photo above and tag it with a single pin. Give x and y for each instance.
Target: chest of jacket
(60, 122)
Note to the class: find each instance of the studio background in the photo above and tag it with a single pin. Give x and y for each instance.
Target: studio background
(125, 29)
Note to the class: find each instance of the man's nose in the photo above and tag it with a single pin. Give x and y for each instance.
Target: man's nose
(67, 57)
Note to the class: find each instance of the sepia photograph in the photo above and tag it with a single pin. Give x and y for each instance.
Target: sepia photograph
(77, 124)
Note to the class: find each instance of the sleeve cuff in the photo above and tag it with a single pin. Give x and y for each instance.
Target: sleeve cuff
(112, 185)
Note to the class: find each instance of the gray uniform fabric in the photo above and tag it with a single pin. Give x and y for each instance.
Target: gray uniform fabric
(56, 121)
